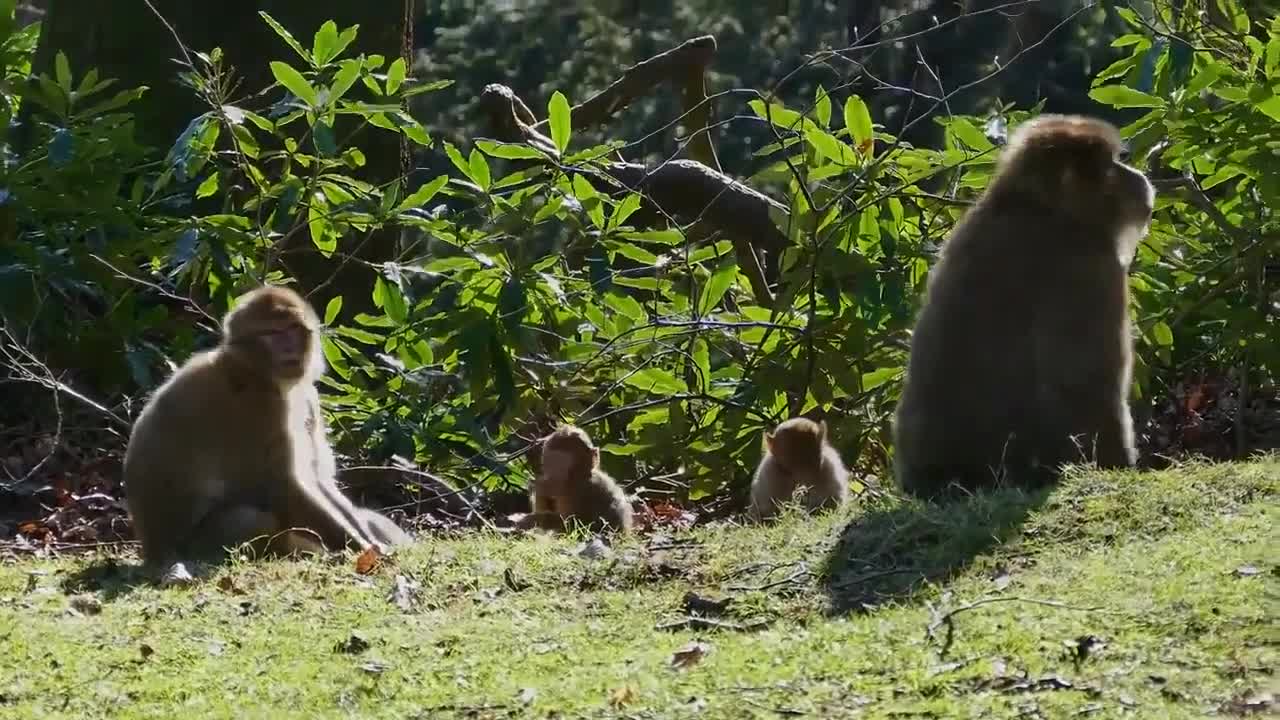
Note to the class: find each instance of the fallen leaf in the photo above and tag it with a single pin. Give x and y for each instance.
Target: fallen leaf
(85, 604)
(368, 561)
(404, 593)
(594, 550)
(227, 584)
(513, 583)
(177, 576)
(374, 667)
(146, 651)
(690, 655)
(695, 603)
(620, 697)
(526, 696)
(1247, 571)
(352, 645)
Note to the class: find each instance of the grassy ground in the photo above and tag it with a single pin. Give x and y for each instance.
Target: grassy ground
(1117, 595)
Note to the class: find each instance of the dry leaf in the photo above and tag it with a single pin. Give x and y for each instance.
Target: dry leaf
(85, 605)
(177, 576)
(619, 697)
(368, 561)
(690, 655)
(404, 593)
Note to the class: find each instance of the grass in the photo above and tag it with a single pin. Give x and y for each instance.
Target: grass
(1119, 595)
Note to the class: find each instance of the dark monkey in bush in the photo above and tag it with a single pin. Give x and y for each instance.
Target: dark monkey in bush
(232, 447)
(1021, 355)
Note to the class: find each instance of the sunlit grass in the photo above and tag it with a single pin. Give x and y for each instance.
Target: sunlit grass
(1115, 595)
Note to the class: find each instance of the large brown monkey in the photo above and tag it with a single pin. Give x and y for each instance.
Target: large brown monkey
(1021, 356)
(797, 455)
(232, 447)
(571, 488)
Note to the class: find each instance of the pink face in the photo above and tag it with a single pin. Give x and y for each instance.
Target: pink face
(287, 347)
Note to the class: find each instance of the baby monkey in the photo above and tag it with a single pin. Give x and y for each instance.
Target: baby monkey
(797, 454)
(571, 488)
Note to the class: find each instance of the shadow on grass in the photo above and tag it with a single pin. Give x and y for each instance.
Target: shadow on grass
(110, 578)
(897, 544)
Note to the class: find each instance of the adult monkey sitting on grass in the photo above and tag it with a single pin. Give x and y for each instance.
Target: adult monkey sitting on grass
(1021, 356)
(232, 448)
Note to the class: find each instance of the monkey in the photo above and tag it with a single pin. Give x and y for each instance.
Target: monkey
(232, 447)
(1021, 356)
(797, 454)
(571, 489)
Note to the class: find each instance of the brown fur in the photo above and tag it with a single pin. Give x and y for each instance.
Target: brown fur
(1021, 356)
(797, 455)
(232, 447)
(579, 494)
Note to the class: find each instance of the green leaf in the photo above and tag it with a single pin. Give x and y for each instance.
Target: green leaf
(559, 114)
(857, 120)
(458, 161)
(62, 71)
(626, 305)
(721, 280)
(822, 107)
(662, 237)
(829, 147)
(346, 77)
(294, 82)
(876, 378)
(423, 195)
(1124, 97)
(656, 381)
(701, 354)
(590, 199)
(286, 36)
(395, 76)
(208, 187)
(387, 296)
(323, 138)
(1270, 107)
(1163, 334)
(624, 210)
(363, 337)
(634, 252)
(967, 133)
(332, 309)
(325, 43)
(480, 170)
(780, 116)
(323, 234)
(509, 151)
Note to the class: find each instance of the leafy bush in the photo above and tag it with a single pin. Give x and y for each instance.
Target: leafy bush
(529, 289)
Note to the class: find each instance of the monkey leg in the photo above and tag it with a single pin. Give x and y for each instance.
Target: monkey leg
(1115, 444)
(824, 496)
(231, 526)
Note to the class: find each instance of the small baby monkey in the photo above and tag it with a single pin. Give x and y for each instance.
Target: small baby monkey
(572, 489)
(797, 454)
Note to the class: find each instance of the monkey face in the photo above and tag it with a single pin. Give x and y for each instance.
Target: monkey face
(795, 451)
(287, 349)
(562, 465)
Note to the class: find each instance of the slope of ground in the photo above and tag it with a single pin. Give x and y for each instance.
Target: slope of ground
(1115, 595)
